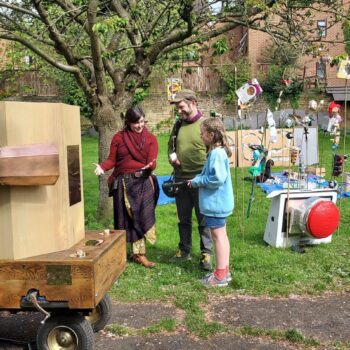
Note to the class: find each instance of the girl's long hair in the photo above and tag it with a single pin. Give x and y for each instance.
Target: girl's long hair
(216, 126)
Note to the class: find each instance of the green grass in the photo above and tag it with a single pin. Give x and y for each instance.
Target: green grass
(167, 325)
(290, 335)
(258, 269)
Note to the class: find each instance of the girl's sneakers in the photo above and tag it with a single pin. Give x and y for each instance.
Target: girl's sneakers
(211, 281)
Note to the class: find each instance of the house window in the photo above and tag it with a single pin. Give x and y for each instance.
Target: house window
(322, 28)
(320, 70)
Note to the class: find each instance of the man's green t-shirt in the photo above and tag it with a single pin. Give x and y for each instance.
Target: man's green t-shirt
(190, 150)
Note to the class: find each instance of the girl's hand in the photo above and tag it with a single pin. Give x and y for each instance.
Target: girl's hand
(98, 170)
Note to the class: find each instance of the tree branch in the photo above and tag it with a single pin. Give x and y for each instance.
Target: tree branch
(95, 48)
(20, 9)
(132, 31)
(175, 36)
(51, 60)
(54, 34)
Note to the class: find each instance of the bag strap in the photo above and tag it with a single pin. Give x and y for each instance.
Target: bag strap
(176, 129)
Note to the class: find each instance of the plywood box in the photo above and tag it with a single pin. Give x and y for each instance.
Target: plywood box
(45, 218)
(316, 171)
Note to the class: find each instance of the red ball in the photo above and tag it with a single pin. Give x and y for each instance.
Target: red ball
(323, 219)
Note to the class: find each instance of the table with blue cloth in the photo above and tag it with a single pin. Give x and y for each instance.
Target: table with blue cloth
(282, 178)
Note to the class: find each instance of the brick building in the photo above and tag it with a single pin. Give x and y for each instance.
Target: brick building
(316, 69)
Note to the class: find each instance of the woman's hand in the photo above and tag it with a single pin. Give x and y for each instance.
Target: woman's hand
(189, 183)
(98, 170)
(147, 166)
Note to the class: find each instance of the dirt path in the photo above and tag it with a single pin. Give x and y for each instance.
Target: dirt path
(325, 319)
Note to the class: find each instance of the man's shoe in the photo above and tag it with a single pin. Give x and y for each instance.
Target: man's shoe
(180, 256)
(206, 262)
(211, 281)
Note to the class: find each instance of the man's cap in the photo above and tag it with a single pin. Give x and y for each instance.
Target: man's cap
(185, 94)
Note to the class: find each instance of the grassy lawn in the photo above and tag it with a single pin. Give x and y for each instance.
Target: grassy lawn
(257, 268)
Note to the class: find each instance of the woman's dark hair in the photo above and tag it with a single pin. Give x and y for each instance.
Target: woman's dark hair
(133, 115)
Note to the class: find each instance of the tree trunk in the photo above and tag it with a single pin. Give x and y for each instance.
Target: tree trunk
(108, 122)
(104, 210)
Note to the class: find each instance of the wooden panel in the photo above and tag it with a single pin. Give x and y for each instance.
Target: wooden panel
(278, 151)
(245, 138)
(29, 82)
(196, 78)
(113, 261)
(231, 135)
(60, 276)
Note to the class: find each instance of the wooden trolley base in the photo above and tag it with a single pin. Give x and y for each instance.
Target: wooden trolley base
(80, 282)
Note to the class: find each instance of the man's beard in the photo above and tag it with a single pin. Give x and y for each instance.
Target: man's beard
(186, 115)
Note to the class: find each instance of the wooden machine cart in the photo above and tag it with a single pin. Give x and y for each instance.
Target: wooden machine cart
(48, 263)
(70, 290)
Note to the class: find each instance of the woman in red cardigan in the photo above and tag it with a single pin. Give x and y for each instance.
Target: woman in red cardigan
(133, 154)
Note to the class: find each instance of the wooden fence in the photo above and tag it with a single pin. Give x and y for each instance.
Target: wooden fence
(203, 79)
(27, 83)
(198, 78)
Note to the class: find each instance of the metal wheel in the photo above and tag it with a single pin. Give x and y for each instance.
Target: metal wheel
(65, 333)
(101, 314)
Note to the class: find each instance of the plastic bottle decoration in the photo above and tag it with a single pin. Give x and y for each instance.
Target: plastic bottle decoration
(259, 159)
(309, 117)
(313, 105)
(289, 122)
(249, 91)
(338, 163)
(272, 126)
(334, 128)
(257, 168)
(331, 106)
(294, 152)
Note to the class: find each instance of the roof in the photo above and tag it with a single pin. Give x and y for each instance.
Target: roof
(340, 93)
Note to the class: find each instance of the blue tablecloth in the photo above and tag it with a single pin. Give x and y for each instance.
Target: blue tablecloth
(267, 187)
(281, 179)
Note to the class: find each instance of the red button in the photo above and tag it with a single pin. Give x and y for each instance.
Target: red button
(323, 219)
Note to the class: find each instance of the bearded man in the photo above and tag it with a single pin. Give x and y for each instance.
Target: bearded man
(187, 154)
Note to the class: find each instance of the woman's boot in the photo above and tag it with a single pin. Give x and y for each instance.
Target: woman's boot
(142, 260)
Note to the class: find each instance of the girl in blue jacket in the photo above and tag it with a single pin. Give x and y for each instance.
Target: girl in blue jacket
(216, 196)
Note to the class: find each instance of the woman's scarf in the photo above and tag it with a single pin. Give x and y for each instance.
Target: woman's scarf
(136, 144)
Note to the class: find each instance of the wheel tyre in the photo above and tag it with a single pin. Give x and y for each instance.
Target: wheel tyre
(100, 316)
(65, 333)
